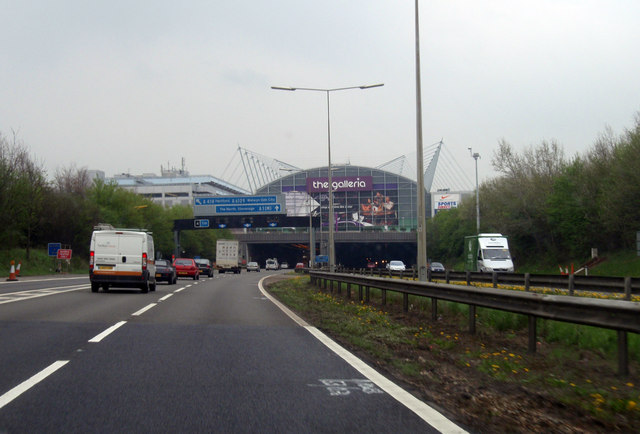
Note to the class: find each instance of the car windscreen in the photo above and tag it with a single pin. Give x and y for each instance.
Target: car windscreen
(183, 262)
(162, 263)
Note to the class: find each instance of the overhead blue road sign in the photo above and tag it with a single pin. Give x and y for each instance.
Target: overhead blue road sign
(247, 209)
(322, 259)
(222, 225)
(236, 205)
(53, 248)
(201, 223)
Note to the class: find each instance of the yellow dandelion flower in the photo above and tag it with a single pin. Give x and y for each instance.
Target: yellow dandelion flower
(468, 364)
(631, 405)
(588, 381)
(511, 355)
(514, 371)
(572, 384)
(630, 384)
(495, 366)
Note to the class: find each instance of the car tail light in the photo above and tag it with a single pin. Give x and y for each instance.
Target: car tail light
(92, 259)
(144, 261)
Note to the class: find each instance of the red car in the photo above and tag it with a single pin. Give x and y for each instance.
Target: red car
(187, 267)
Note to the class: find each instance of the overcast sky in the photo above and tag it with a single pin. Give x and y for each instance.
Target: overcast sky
(128, 86)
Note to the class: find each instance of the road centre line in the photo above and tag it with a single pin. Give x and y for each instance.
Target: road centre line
(179, 289)
(144, 309)
(27, 384)
(422, 410)
(165, 297)
(107, 332)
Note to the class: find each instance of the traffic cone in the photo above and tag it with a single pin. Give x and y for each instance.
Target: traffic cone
(12, 272)
(18, 269)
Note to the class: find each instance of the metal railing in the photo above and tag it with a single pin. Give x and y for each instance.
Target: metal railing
(619, 315)
(572, 282)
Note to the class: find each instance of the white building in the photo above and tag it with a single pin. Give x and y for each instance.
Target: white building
(176, 187)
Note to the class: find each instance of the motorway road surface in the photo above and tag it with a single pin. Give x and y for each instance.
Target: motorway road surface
(214, 355)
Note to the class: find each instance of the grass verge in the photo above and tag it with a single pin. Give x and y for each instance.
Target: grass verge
(488, 379)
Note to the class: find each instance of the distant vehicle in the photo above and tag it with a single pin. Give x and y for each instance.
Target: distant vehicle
(436, 266)
(228, 256)
(271, 264)
(487, 253)
(187, 267)
(122, 258)
(371, 265)
(396, 266)
(253, 266)
(284, 265)
(205, 266)
(299, 265)
(165, 271)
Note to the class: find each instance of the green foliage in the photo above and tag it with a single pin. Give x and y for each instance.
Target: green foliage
(554, 210)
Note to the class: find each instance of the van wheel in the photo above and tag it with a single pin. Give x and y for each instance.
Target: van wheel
(152, 287)
(105, 287)
(145, 287)
(95, 287)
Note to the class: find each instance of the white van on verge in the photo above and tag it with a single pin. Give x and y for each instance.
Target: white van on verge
(122, 258)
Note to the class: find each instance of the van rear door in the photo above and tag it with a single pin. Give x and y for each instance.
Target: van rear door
(130, 248)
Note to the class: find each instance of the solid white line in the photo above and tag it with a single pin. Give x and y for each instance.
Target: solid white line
(165, 297)
(26, 385)
(426, 413)
(24, 295)
(107, 332)
(144, 309)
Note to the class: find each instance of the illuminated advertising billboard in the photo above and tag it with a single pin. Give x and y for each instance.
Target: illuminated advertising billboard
(445, 201)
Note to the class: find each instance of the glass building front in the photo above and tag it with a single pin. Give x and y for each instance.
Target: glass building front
(364, 198)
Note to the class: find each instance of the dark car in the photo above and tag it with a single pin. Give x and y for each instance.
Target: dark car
(205, 266)
(165, 272)
(187, 267)
(436, 266)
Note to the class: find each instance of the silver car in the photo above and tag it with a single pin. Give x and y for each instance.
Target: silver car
(253, 266)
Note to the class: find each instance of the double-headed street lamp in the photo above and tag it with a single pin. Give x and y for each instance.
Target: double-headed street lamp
(332, 252)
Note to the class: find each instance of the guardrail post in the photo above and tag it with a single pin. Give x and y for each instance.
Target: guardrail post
(472, 319)
(572, 283)
(434, 309)
(339, 287)
(527, 281)
(533, 333)
(494, 279)
(384, 297)
(413, 274)
(627, 288)
(405, 302)
(446, 276)
(359, 292)
(428, 274)
(348, 290)
(367, 294)
(623, 354)
(468, 275)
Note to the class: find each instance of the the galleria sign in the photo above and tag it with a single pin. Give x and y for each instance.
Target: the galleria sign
(340, 183)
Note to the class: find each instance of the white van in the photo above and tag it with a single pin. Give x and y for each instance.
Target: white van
(122, 258)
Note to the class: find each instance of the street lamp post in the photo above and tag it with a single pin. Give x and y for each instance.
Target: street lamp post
(332, 252)
(475, 157)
